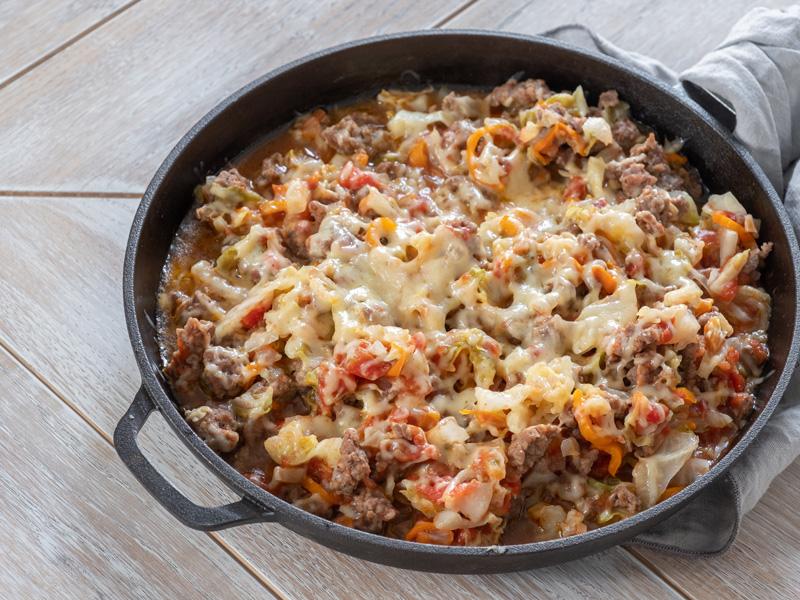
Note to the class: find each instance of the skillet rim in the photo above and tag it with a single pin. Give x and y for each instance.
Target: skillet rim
(293, 517)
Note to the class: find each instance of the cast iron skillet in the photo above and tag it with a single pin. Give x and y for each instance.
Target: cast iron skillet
(472, 58)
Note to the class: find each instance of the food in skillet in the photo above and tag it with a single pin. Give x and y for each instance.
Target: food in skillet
(437, 315)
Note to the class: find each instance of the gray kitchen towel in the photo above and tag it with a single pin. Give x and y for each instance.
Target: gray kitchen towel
(756, 70)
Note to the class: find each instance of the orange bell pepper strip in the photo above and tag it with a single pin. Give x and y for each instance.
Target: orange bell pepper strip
(272, 206)
(418, 155)
(426, 533)
(498, 129)
(555, 136)
(315, 488)
(674, 159)
(670, 491)
(606, 279)
(602, 442)
(398, 365)
(376, 229)
(361, 159)
(723, 220)
(686, 394)
(509, 226)
(703, 306)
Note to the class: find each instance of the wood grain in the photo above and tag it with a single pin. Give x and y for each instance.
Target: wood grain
(103, 114)
(678, 32)
(763, 563)
(32, 29)
(69, 327)
(98, 117)
(73, 524)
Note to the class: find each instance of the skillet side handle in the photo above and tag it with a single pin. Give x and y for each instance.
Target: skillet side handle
(187, 512)
(713, 104)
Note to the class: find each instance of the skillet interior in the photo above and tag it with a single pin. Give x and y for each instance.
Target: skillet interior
(475, 59)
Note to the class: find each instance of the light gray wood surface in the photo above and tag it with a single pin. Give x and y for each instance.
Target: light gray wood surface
(33, 30)
(72, 522)
(138, 83)
(92, 97)
(763, 563)
(676, 32)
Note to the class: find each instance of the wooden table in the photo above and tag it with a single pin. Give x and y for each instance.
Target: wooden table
(92, 96)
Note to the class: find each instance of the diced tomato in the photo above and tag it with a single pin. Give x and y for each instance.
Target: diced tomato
(575, 189)
(739, 400)
(759, 350)
(728, 292)
(399, 414)
(361, 362)
(654, 415)
(710, 240)
(666, 332)
(465, 489)
(433, 489)
(737, 380)
(333, 382)
(354, 178)
(732, 356)
(254, 316)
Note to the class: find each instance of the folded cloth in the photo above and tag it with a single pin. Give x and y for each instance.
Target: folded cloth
(756, 70)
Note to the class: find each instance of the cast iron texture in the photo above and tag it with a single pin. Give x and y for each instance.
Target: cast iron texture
(469, 58)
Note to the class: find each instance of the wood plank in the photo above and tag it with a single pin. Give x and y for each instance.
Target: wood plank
(31, 30)
(67, 324)
(73, 525)
(678, 32)
(762, 564)
(101, 115)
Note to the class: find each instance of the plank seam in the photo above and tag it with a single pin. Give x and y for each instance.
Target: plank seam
(68, 194)
(447, 18)
(215, 537)
(60, 48)
(648, 564)
(239, 558)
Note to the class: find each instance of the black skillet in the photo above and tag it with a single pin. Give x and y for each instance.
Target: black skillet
(468, 58)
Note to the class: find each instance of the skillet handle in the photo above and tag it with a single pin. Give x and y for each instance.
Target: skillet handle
(187, 512)
(713, 104)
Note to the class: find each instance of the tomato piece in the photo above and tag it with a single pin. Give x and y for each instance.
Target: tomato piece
(333, 382)
(666, 332)
(433, 489)
(361, 362)
(653, 415)
(575, 189)
(254, 316)
(737, 380)
(728, 292)
(354, 178)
